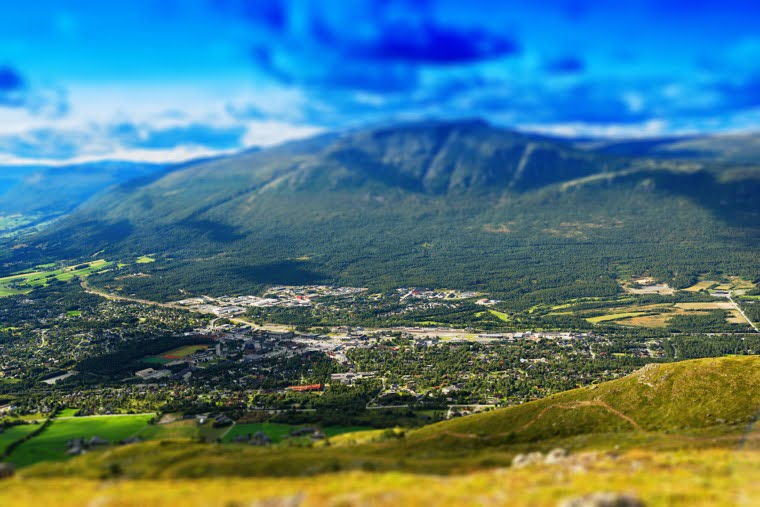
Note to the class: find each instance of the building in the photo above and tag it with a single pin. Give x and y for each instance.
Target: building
(310, 387)
(350, 377)
(150, 373)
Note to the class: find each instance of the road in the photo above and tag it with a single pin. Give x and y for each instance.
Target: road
(80, 417)
(174, 306)
(730, 298)
(116, 297)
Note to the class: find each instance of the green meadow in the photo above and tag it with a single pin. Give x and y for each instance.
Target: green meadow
(277, 432)
(14, 433)
(50, 445)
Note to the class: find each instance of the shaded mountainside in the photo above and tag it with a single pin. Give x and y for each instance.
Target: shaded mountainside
(28, 189)
(698, 404)
(456, 204)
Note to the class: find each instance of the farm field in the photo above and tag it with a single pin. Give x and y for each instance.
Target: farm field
(14, 433)
(613, 316)
(657, 315)
(183, 428)
(703, 285)
(277, 432)
(22, 283)
(50, 445)
(145, 259)
(732, 283)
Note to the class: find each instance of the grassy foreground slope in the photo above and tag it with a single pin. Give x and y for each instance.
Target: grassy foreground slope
(709, 477)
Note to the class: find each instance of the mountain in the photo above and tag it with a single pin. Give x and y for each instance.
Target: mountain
(446, 204)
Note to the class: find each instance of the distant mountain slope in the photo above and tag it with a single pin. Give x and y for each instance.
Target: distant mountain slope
(26, 189)
(726, 148)
(434, 203)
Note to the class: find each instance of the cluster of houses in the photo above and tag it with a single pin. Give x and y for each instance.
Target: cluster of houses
(259, 439)
(81, 445)
(152, 374)
(350, 377)
(421, 293)
(288, 296)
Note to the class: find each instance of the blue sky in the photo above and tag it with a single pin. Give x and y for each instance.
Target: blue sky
(172, 79)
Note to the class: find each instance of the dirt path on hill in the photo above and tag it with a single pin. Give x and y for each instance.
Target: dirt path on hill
(576, 404)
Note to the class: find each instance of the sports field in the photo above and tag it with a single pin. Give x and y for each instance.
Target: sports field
(174, 354)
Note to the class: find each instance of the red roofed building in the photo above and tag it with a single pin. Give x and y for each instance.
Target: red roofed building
(311, 387)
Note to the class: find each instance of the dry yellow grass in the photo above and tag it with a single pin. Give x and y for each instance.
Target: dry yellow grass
(704, 285)
(654, 321)
(668, 311)
(711, 477)
(712, 305)
(740, 283)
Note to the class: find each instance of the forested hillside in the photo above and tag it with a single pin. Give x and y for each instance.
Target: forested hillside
(459, 204)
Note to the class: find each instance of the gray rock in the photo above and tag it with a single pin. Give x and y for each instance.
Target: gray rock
(602, 499)
(522, 460)
(555, 456)
(7, 470)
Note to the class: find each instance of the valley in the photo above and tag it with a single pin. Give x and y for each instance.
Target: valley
(440, 298)
(380, 253)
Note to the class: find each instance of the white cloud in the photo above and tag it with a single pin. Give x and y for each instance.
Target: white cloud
(95, 110)
(267, 133)
(650, 128)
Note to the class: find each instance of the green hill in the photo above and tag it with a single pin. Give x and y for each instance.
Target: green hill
(447, 204)
(700, 397)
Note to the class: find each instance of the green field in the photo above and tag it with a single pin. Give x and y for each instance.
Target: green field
(14, 433)
(277, 432)
(145, 259)
(501, 315)
(184, 428)
(50, 445)
(22, 283)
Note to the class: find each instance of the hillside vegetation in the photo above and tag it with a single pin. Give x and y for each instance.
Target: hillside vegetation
(689, 397)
